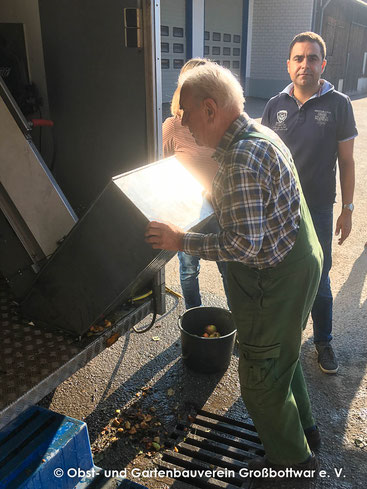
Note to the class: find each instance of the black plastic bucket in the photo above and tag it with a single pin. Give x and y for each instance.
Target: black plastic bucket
(207, 355)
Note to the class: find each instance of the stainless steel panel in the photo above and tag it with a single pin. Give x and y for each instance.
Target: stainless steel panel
(105, 260)
(166, 191)
(31, 187)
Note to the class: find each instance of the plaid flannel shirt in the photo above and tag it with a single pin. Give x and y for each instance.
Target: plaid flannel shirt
(255, 198)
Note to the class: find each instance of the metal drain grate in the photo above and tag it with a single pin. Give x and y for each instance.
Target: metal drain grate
(214, 444)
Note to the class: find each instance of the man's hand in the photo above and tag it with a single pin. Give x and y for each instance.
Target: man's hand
(344, 224)
(164, 236)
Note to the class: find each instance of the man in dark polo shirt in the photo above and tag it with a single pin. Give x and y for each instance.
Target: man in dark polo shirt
(316, 122)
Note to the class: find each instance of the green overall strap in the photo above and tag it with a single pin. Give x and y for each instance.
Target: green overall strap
(259, 135)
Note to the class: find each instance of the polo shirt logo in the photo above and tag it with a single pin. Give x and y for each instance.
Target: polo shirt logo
(282, 115)
(322, 117)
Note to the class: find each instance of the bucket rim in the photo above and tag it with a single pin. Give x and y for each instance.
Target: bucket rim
(200, 337)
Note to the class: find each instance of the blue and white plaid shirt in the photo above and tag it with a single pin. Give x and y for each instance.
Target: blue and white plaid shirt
(256, 199)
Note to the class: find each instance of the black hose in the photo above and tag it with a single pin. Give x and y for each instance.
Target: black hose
(147, 328)
(144, 330)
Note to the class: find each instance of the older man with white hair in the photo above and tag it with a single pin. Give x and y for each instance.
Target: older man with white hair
(274, 259)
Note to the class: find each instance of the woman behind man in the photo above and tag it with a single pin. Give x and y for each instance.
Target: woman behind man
(178, 141)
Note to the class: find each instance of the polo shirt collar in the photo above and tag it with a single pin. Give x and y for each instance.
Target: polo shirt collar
(325, 88)
(237, 126)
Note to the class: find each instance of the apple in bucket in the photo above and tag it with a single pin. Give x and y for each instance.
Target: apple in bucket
(211, 332)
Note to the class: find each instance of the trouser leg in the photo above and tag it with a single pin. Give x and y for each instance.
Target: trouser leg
(273, 409)
(322, 310)
(270, 313)
(189, 278)
(300, 393)
(275, 414)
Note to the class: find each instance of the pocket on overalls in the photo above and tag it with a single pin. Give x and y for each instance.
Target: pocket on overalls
(258, 365)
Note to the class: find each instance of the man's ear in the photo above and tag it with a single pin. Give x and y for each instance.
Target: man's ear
(288, 65)
(210, 107)
(323, 66)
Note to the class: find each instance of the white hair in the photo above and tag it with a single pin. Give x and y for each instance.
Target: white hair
(214, 81)
(175, 103)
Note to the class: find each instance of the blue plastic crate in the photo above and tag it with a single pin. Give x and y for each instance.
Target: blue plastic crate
(36, 444)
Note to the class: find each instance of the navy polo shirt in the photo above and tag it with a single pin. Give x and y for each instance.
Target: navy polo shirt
(312, 133)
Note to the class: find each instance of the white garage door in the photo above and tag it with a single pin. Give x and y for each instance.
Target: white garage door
(223, 33)
(173, 44)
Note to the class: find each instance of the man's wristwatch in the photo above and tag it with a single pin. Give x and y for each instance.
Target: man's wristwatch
(348, 206)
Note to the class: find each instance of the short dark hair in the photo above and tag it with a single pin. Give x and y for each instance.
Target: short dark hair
(309, 37)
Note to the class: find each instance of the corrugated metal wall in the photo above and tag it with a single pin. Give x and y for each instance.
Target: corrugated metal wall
(344, 28)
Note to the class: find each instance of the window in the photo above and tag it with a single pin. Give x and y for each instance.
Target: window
(227, 51)
(236, 38)
(178, 48)
(216, 36)
(227, 37)
(215, 50)
(206, 35)
(236, 51)
(206, 50)
(227, 64)
(164, 30)
(235, 64)
(164, 47)
(178, 32)
(165, 64)
(178, 64)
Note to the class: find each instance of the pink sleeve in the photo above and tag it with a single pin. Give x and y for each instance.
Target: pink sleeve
(168, 137)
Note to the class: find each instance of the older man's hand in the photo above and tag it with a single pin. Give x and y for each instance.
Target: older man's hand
(164, 236)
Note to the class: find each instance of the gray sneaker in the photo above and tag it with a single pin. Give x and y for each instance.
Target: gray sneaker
(326, 358)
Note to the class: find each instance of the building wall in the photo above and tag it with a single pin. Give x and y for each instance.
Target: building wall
(272, 26)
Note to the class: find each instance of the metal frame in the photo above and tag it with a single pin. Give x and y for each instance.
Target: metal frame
(14, 109)
(152, 60)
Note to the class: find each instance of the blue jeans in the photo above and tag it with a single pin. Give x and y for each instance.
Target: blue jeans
(190, 268)
(322, 310)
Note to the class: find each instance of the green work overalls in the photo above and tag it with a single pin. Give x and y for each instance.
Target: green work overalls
(270, 308)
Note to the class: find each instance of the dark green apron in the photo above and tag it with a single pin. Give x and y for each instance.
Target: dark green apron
(270, 308)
